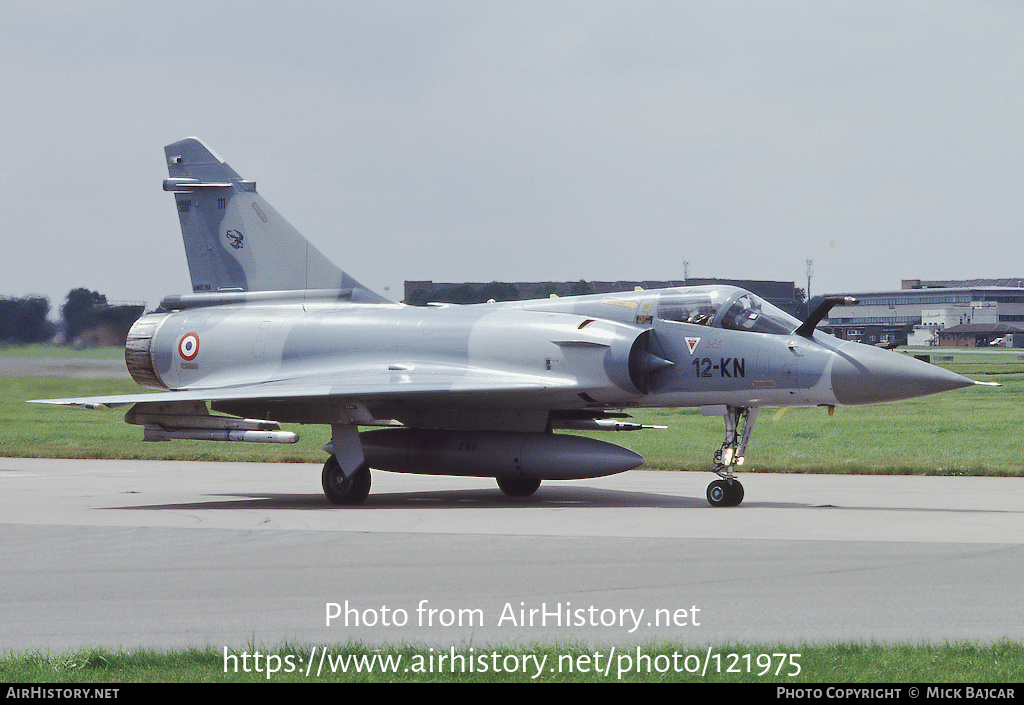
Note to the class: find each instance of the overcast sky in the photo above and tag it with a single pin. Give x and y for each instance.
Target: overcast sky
(480, 141)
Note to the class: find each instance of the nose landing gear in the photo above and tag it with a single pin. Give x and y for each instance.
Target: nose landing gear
(739, 425)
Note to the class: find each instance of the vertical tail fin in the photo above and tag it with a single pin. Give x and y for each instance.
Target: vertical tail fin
(234, 239)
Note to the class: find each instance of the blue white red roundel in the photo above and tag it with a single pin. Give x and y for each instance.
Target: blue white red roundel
(188, 346)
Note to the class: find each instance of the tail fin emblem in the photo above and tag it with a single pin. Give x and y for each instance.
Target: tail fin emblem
(235, 238)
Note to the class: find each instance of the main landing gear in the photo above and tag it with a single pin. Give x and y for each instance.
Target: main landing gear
(345, 490)
(345, 450)
(739, 424)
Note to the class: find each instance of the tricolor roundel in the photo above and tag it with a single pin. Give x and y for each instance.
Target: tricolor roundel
(188, 346)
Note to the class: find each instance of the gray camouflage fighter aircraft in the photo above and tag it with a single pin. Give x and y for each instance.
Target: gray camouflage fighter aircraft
(274, 332)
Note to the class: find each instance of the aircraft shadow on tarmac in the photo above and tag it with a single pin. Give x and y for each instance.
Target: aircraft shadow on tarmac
(484, 498)
(551, 497)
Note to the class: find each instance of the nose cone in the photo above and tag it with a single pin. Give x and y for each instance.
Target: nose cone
(862, 374)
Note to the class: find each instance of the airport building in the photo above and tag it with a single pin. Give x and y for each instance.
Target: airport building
(972, 313)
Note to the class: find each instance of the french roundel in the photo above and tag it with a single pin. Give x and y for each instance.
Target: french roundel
(188, 346)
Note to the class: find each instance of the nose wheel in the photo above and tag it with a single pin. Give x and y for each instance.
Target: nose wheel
(739, 425)
(725, 493)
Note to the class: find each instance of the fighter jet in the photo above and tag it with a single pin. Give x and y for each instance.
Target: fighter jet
(273, 332)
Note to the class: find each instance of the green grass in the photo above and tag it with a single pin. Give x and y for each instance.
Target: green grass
(1002, 662)
(972, 431)
(999, 361)
(44, 431)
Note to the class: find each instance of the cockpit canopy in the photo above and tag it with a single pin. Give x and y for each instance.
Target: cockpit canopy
(724, 307)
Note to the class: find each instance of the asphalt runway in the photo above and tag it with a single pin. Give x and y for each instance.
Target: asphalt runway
(237, 555)
(67, 367)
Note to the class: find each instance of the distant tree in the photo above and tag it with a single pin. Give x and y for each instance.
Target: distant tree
(419, 297)
(461, 294)
(24, 320)
(464, 294)
(123, 316)
(547, 289)
(500, 291)
(580, 288)
(81, 311)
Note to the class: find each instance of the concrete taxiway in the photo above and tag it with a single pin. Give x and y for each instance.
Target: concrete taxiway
(169, 554)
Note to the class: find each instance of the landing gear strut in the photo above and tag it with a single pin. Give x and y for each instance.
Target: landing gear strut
(345, 451)
(739, 424)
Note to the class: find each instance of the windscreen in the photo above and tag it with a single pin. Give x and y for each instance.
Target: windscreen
(725, 307)
(749, 312)
(698, 306)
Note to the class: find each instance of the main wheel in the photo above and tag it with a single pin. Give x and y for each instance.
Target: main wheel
(342, 490)
(722, 493)
(518, 486)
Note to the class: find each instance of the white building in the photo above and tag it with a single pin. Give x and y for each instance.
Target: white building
(935, 319)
